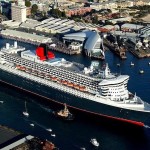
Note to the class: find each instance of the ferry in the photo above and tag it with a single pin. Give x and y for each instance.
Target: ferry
(94, 91)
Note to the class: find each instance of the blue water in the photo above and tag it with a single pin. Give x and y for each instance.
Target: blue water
(76, 134)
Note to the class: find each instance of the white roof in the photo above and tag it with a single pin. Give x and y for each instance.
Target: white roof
(131, 26)
(28, 25)
(24, 35)
(116, 80)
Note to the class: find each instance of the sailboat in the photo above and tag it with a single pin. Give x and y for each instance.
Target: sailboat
(25, 112)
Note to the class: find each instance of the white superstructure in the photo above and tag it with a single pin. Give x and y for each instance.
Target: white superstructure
(12, 49)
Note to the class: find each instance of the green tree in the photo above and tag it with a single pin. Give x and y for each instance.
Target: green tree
(63, 14)
(34, 8)
(27, 3)
(95, 19)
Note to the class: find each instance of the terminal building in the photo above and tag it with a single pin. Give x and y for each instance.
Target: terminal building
(91, 42)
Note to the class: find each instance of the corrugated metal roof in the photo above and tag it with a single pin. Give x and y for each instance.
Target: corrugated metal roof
(91, 41)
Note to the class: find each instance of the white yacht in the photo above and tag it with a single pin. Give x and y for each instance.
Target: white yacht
(25, 112)
(131, 64)
(94, 142)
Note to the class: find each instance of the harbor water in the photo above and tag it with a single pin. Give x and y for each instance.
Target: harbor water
(76, 134)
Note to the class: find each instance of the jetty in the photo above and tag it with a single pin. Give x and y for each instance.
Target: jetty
(116, 49)
(24, 37)
(61, 47)
(138, 49)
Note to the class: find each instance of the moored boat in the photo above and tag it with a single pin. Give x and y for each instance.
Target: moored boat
(94, 142)
(141, 71)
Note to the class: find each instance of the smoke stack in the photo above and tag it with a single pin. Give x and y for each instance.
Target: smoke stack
(40, 53)
(45, 48)
(43, 53)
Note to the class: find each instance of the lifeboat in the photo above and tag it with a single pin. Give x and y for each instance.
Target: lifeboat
(22, 68)
(28, 70)
(47, 77)
(76, 86)
(40, 74)
(59, 80)
(54, 78)
(70, 84)
(18, 67)
(64, 82)
(82, 88)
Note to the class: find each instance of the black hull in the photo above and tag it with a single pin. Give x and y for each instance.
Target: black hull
(80, 104)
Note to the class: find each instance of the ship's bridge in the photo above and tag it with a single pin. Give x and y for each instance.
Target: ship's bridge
(115, 88)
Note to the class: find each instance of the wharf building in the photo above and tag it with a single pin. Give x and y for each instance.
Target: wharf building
(91, 42)
(18, 11)
(24, 37)
(57, 25)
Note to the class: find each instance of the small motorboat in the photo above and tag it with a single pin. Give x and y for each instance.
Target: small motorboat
(53, 135)
(50, 130)
(83, 148)
(25, 112)
(1, 102)
(94, 142)
(132, 64)
(64, 113)
(141, 71)
(118, 65)
(32, 124)
(149, 63)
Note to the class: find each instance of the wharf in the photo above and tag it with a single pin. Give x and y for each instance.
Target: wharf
(140, 52)
(24, 37)
(119, 51)
(97, 56)
(19, 39)
(61, 47)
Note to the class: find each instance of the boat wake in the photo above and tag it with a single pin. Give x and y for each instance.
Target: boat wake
(1, 102)
(34, 123)
(47, 109)
(146, 126)
(79, 147)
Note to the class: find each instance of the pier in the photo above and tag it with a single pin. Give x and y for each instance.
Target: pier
(24, 37)
(141, 52)
(61, 47)
(119, 51)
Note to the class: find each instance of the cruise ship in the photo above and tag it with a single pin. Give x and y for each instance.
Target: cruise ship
(89, 89)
